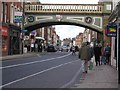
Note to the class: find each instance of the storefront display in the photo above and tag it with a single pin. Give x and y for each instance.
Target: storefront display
(14, 39)
(4, 34)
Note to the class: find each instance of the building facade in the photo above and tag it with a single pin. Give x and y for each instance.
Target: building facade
(79, 40)
(90, 36)
(10, 29)
(113, 18)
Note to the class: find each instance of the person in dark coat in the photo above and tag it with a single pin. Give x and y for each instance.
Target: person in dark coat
(107, 52)
(97, 53)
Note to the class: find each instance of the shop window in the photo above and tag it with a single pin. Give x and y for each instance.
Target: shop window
(4, 43)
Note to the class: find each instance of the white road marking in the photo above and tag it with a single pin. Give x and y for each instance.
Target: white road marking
(37, 73)
(38, 55)
(10, 66)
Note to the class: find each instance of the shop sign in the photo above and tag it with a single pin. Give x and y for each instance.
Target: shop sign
(111, 30)
(18, 17)
(4, 30)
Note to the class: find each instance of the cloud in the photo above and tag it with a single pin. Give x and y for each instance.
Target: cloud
(68, 31)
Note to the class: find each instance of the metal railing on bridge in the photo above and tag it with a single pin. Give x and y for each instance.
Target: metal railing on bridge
(64, 8)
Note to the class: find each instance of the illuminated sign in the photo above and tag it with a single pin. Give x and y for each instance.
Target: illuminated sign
(111, 30)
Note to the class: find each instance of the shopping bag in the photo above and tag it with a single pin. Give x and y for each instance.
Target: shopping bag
(103, 59)
(91, 64)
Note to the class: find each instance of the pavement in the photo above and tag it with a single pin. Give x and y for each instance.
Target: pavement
(24, 55)
(104, 76)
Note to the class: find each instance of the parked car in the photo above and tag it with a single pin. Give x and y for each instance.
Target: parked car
(64, 48)
(51, 48)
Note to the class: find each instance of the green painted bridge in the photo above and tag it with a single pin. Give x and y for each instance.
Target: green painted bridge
(83, 15)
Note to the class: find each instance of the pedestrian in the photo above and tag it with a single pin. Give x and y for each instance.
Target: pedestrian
(100, 48)
(36, 47)
(103, 58)
(107, 51)
(97, 53)
(40, 47)
(84, 56)
(32, 47)
(91, 53)
(73, 50)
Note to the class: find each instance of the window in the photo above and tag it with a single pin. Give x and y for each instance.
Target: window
(6, 12)
(108, 7)
(2, 12)
(4, 43)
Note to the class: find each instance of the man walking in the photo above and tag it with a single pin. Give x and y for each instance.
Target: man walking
(84, 56)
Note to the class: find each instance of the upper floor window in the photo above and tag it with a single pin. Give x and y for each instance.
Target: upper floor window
(108, 7)
(6, 13)
(2, 12)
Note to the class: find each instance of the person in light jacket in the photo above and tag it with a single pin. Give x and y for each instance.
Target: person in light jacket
(84, 56)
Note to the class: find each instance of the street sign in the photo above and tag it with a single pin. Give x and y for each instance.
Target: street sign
(18, 17)
(111, 30)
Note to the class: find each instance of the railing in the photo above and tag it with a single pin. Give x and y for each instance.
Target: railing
(64, 8)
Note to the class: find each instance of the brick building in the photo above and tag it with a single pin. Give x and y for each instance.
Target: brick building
(79, 39)
(10, 30)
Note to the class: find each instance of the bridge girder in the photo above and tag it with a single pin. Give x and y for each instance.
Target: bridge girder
(93, 22)
(37, 25)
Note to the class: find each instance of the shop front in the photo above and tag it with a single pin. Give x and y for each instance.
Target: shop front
(4, 36)
(14, 40)
(113, 20)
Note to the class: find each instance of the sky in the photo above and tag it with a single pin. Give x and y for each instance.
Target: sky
(69, 31)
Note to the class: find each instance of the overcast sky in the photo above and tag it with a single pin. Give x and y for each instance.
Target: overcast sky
(67, 31)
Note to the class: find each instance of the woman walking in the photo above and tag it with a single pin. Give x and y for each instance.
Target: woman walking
(97, 53)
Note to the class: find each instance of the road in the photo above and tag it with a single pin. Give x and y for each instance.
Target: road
(50, 70)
